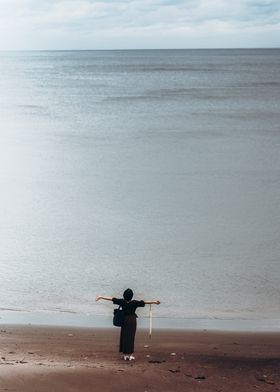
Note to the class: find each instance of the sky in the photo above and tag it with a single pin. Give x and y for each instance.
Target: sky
(138, 24)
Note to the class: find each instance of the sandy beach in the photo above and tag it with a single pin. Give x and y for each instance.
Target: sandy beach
(52, 359)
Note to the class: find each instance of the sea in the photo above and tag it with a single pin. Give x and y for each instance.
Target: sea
(157, 170)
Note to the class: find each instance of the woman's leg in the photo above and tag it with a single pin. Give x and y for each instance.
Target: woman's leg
(127, 336)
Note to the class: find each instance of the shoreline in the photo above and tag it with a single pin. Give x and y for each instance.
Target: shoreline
(71, 319)
(60, 359)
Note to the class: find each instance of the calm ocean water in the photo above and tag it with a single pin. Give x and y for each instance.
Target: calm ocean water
(156, 170)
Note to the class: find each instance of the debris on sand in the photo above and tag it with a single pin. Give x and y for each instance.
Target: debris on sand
(196, 377)
(264, 379)
(174, 371)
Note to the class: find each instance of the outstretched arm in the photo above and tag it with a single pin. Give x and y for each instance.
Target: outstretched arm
(106, 298)
(152, 302)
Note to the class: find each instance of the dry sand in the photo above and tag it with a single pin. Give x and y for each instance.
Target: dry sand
(47, 359)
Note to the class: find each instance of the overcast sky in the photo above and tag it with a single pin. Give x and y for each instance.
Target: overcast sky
(113, 24)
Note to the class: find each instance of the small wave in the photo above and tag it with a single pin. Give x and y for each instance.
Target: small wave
(13, 310)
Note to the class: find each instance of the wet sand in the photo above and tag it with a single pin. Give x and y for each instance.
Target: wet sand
(52, 359)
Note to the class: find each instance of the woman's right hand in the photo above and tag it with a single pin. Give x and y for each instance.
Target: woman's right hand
(98, 297)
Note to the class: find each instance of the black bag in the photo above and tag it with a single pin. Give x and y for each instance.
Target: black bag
(118, 318)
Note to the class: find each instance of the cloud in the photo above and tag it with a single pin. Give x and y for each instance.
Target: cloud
(57, 23)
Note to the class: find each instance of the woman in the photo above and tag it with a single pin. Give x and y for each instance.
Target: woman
(128, 329)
